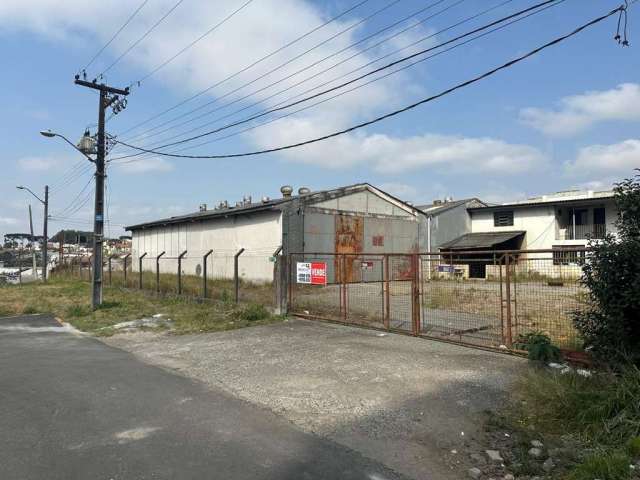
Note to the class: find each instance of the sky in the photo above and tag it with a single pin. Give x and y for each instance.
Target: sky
(566, 118)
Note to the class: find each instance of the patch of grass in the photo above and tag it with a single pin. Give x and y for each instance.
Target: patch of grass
(69, 299)
(603, 466)
(633, 447)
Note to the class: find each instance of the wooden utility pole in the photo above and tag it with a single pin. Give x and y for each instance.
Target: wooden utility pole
(108, 96)
(33, 251)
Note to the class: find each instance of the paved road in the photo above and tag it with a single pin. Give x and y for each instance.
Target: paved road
(74, 408)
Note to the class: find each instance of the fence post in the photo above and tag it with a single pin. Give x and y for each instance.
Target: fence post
(109, 266)
(158, 271)
(236, 277)
(508, 294)
(124, 264)
(140, 269)
(180, 271)
(277, 280)
(204, 273)
(344, 287)
(415, 294)
(386, 291)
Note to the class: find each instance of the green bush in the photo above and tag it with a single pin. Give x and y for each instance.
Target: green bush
(539, 347)
(253, 312)
(609, 325)
(633, 447)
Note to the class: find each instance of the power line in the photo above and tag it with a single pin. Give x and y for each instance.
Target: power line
(124, 25)
(280, 66)
(72, 203)
(356, 87)
(307, 67)
(365, 75)
(134, 44)
(205, 34)
(244, 69)
(404, 109)
(79, 173)
(367, 83)
(421, 40)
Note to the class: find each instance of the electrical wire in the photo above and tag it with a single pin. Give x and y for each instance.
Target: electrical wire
(362, 85)
(73, 202)
(258, 102)
(244, 69)
(406, 108)
(137, 42)
(306, 52)
(349, 82)
(75, 176)
(124, 25)
(194, 42)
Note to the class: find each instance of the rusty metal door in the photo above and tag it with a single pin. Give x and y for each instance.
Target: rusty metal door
(349, 240)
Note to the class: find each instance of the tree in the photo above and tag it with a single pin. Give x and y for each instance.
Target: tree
(610, 325)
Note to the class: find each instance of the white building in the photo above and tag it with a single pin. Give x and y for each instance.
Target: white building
(348, 220)
(561, 222)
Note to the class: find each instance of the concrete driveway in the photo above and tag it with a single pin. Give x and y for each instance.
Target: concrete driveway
(413, 404)
(72, 407)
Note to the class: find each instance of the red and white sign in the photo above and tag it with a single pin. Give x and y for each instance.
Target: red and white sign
(312, 273)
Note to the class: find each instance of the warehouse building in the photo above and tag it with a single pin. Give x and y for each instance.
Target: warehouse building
(353, 219)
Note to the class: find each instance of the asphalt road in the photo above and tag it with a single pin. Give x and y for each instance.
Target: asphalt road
(72, 407)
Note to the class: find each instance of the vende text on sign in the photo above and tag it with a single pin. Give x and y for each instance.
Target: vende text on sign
(312, 273)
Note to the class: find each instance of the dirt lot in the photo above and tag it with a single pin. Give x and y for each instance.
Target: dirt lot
(415, 405)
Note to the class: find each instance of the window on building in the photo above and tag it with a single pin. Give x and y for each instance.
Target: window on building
(503, 218)
(378, 240)
(567, 255)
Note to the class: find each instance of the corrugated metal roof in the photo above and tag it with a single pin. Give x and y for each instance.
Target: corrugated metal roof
(264, 206)
(598, 197)
(436, 209)
(480, 240)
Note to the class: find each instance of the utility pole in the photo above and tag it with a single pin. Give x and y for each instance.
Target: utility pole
(34, 266)
(108, 96)
(45, 238)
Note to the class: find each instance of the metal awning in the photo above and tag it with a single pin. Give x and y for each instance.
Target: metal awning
(483, 240)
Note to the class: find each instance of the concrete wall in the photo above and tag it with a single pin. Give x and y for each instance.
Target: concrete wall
(259, 233)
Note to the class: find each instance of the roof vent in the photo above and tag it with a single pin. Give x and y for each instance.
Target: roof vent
(265, 199)
(203, 207)
(303, 191)
(409, 203)
(286, 191)
(437, 201)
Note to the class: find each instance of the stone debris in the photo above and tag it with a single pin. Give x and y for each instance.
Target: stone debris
(508, 476)
(537, 444)
(494, 456)
(548, 465)
(535, 452)
(148, 322)
(477, 458)
(475, 473)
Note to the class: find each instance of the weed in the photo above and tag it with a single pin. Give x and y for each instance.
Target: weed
(29, 309)
(78, 310)
(603, 465)
(633, 447)
(252, 313)
(539, 347)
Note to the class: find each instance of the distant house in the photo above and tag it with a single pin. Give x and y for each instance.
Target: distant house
(561, 222)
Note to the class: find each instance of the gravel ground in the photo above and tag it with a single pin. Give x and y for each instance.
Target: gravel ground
(413, 404)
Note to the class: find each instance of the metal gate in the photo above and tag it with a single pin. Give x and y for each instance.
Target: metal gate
(481, 298)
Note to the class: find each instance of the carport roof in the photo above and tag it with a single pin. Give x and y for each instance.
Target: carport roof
(480, 240)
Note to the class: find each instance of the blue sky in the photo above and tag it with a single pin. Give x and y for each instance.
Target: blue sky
(567, 118)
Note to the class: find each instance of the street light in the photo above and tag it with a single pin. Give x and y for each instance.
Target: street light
(85, 146)
(45, 239)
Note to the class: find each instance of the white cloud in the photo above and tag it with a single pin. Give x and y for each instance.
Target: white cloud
(618, 158)
(37, 164)
(389, 154)
(579, 112)
(400, 190)
(146, 165)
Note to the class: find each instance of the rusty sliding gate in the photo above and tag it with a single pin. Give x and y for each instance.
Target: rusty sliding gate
(482, 298)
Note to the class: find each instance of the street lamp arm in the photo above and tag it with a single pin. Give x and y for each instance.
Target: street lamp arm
(49, 133)
(21, 187)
